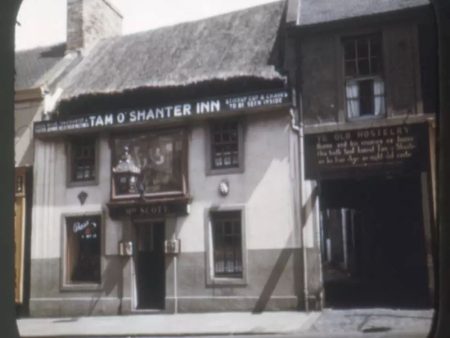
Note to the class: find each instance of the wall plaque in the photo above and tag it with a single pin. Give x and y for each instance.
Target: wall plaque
(371, 151)
(147, 209)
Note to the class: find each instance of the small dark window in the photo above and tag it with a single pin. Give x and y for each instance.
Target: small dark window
(83, 160)
(225, 145)
(362, 55)
(83, 249)
(364, 83)
(227, 243)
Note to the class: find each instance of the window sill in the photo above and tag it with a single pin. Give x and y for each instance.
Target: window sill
(77, 184)
(225, 171)
(224, 281)
(81, 287)
(366, 118)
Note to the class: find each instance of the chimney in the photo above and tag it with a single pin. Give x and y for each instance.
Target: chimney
(89, 21)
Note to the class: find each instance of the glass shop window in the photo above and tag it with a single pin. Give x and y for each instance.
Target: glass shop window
(225, 147)
(83, 160)
(83, 249)
(149, 164)
(227, 243)
(364, 85)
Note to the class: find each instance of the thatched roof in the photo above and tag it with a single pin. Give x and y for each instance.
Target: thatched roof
(229, 46)
(41, 66)
(313, 12)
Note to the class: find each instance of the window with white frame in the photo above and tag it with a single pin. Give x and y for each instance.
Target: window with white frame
(226, 145)
(82, 256)
(83, 165)
(226, 230)
(364, 85)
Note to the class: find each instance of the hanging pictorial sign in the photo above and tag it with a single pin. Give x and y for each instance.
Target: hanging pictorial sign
(380, 150)
(184, 110)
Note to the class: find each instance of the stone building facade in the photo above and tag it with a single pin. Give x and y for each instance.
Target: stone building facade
(366, 94)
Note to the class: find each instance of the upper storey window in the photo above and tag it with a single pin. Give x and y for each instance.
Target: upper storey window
(83, 163)
(225, 147)
(364, 85)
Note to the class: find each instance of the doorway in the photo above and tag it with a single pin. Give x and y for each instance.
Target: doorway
(150, 265)
(373, 243)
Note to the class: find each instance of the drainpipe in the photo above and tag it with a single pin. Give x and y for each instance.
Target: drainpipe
(299, 130)
(175, 283)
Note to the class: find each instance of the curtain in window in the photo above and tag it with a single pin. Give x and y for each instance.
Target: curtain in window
(352, 99)
(378, 94)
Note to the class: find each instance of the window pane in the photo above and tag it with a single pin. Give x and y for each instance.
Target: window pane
(375, 47)
(83, 249)
(83, 160)
(226, 229)
(363, 48)
(366, 103)
(224, 145)
(365, 54)
(349, 50)
(363, 67)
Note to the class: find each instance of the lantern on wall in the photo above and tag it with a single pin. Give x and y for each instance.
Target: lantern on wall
(126, 175)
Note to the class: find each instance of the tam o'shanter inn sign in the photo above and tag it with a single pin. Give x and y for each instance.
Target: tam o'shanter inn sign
(165, 112)
(378, 150)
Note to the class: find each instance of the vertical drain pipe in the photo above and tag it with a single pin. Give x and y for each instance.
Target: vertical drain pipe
(175, 270)
(175, 283)
(299, 130)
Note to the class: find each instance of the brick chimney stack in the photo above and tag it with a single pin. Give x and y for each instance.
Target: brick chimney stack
(89, 21)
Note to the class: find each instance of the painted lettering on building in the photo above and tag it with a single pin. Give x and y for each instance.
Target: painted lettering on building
(165, 112)
(375, 150)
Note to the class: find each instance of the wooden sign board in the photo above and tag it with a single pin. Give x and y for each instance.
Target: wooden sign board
(371, 151)
(147, 209)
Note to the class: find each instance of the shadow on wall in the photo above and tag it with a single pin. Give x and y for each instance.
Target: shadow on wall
(283, 258)
(112, 279)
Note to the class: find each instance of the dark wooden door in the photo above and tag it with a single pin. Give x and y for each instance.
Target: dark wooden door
(150, 271)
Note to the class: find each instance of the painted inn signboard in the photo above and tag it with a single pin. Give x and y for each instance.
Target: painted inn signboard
(372, 151)
(147, 115)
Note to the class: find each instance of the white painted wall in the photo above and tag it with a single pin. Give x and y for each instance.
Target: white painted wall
(265, 188)
(25, 113)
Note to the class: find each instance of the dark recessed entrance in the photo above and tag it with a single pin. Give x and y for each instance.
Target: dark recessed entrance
(149, 262)
(373, 243)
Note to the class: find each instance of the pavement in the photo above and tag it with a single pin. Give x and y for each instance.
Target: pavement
(201, 324)
(373, 322)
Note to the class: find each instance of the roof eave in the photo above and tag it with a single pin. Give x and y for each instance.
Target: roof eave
(29, 94)
(375, 18)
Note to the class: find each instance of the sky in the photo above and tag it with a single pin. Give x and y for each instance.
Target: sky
(43, 22)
